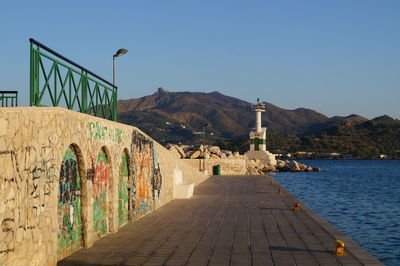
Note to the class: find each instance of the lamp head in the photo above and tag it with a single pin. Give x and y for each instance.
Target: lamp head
(120, 52)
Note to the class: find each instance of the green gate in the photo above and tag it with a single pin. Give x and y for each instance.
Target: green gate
(8, 98)
(61, 82)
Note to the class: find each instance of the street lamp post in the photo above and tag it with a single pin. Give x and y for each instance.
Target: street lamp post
(204, 147)
(120, 52)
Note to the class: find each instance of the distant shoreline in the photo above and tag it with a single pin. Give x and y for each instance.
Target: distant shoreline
(337, 159)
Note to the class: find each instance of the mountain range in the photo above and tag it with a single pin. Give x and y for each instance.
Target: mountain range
(180, 116)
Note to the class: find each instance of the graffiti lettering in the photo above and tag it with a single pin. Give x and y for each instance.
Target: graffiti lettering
(43, 171)
(101, 132)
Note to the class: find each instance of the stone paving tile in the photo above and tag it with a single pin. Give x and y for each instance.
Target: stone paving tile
(230, 220)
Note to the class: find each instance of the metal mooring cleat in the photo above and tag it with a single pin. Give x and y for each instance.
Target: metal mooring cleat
(339, 251)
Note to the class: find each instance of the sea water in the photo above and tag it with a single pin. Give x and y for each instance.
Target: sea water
(359, 197)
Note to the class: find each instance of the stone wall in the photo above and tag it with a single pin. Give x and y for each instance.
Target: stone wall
(68, 179)
(231, 166)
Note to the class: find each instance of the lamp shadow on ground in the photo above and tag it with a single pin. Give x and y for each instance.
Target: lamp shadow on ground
(297, 249)
(275, 209)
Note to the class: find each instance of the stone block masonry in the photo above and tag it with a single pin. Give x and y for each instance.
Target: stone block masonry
(233, 166)
(68, 179)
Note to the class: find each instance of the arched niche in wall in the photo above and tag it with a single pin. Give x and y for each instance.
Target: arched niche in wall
(102, 187)
(124, 189)
(70, 227)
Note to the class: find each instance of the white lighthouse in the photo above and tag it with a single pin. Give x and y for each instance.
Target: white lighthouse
(258, 138)
(258, 135)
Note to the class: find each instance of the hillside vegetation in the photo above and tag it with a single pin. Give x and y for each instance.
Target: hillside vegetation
(179, 117)
(366, 140)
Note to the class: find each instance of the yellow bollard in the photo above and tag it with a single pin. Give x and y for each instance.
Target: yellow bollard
(280, 191)
(339, 251)
(297, 207)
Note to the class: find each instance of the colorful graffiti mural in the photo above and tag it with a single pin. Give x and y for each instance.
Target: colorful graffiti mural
(123, 192)
(147, 180)
(101, 178)
(69, 204)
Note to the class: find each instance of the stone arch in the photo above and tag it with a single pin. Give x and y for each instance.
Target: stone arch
(70, 235)
(124, 187)
(102, 193)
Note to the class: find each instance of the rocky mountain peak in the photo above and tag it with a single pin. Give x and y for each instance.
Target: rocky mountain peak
(383, 118)
(161, 90)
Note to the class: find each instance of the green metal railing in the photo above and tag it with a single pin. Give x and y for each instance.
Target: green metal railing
(61, 82)
(8, 98)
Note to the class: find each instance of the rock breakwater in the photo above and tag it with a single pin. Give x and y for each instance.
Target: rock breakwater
(254, 166)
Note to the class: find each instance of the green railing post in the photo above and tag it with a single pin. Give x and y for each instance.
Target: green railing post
(115, 106)
(84, 93)
(34, 76)
(55, 102)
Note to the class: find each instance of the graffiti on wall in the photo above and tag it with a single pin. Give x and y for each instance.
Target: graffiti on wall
(69, 204)
(147, 180)
(101, 178)
(99, 131)
(28, 178)
(8, 225)
(123, 192)
(44, 176)
(156, 180)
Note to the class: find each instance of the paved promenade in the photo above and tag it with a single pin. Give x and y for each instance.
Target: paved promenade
(231, 220)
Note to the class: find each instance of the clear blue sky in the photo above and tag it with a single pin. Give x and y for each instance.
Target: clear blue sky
(336, 57)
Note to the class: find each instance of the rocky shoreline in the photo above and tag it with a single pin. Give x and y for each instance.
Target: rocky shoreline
(257, 167)
(200, 151)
